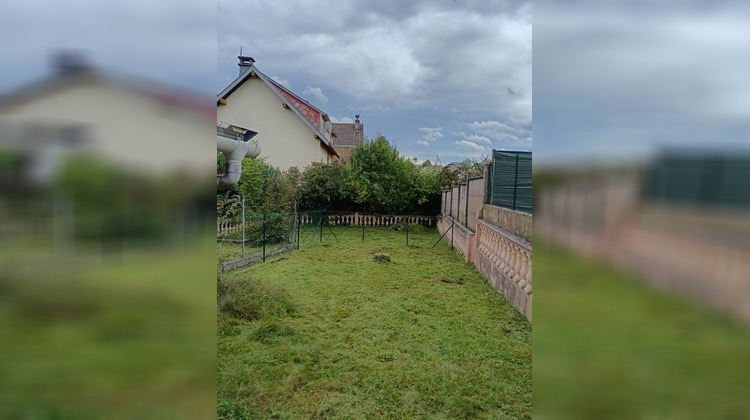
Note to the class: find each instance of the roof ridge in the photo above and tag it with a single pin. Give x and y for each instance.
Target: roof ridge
(278, 85)
(277, 89)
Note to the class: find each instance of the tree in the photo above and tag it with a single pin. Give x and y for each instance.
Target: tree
(385, 181)
(326, 187)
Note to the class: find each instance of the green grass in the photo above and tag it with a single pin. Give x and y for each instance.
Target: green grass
(228, 251)
(132, 338)
(327, 332)
(606, 345)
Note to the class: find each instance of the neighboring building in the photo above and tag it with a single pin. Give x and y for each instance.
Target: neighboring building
(292, 132)
(347, 136)
(146, 126)
(453, 166)
(431, 168)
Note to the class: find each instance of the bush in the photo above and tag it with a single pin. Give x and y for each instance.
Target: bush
(277, 229)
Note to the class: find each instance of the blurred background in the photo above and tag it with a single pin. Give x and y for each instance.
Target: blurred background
(107, 210)
(642, 210)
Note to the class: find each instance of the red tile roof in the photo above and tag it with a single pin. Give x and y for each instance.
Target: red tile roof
(308, 112)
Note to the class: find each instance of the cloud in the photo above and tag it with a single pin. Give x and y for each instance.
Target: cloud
(342, 119)
(168, 33)
(317, 93)
(627, 79)
(489, 44)
(494, 129)
(471, 145)
(439, 64)
(478, 139)
(282, 82)
(431, 133)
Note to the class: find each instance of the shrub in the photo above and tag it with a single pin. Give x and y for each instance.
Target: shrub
(277, 229)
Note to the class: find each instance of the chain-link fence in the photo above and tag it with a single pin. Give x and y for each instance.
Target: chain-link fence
(255, 237)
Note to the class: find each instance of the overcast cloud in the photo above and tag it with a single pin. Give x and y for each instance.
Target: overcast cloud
(406, 67)
(169, 41)
(624, 80)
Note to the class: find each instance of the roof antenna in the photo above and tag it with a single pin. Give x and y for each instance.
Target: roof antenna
(240, 49)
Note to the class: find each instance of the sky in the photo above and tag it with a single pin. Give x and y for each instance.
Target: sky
(438, 78)
(623, 81)
(170, 41)
(451, 78)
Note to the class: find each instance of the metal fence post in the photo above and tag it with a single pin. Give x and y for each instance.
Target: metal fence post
(264, 235)
(491, 180)
(466, 213)
(515, 184)
(452, 222)
(243, 225)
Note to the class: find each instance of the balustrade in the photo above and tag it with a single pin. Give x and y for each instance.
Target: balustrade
(511, 258)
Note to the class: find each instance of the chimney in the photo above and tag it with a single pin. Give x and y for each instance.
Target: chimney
(245, 63)
(357, 125)
(68, 63)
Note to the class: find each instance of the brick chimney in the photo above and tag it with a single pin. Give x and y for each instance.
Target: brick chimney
(245, 63)
(357, 125)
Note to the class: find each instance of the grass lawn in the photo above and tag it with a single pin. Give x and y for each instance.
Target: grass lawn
(228, 251)
(131, 338)
(327, 332)
(606, 345)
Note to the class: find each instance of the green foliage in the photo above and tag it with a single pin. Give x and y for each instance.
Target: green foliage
(277, 228)
(254, 172)
(221, 162)
(376, 180)
(113, 203)
(268, 191)
(386, 182)
(327, 187)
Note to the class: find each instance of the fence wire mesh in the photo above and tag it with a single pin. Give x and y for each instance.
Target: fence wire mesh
(264, 235)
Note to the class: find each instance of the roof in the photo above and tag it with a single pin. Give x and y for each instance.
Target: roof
(165, 94)
(346, 135)
(308, 113)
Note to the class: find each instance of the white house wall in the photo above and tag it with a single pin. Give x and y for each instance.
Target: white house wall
(284, 139)
(130, 127)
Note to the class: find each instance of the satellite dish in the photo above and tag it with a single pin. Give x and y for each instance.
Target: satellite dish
(329, 127)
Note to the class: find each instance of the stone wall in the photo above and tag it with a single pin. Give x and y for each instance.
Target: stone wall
(462, 239)
(496, 240)
(515, 222)
(697, 252)
(505, 261)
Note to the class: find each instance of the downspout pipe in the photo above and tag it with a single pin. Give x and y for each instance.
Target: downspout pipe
(234, 143)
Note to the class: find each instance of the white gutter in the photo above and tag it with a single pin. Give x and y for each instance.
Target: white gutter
(234, 143)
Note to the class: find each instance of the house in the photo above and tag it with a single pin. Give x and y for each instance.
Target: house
(148, 127)
(292, 131)
(347, 136)
(453, 166)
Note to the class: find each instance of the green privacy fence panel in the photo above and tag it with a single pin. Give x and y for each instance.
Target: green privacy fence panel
(706, 180)
(510, 180)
